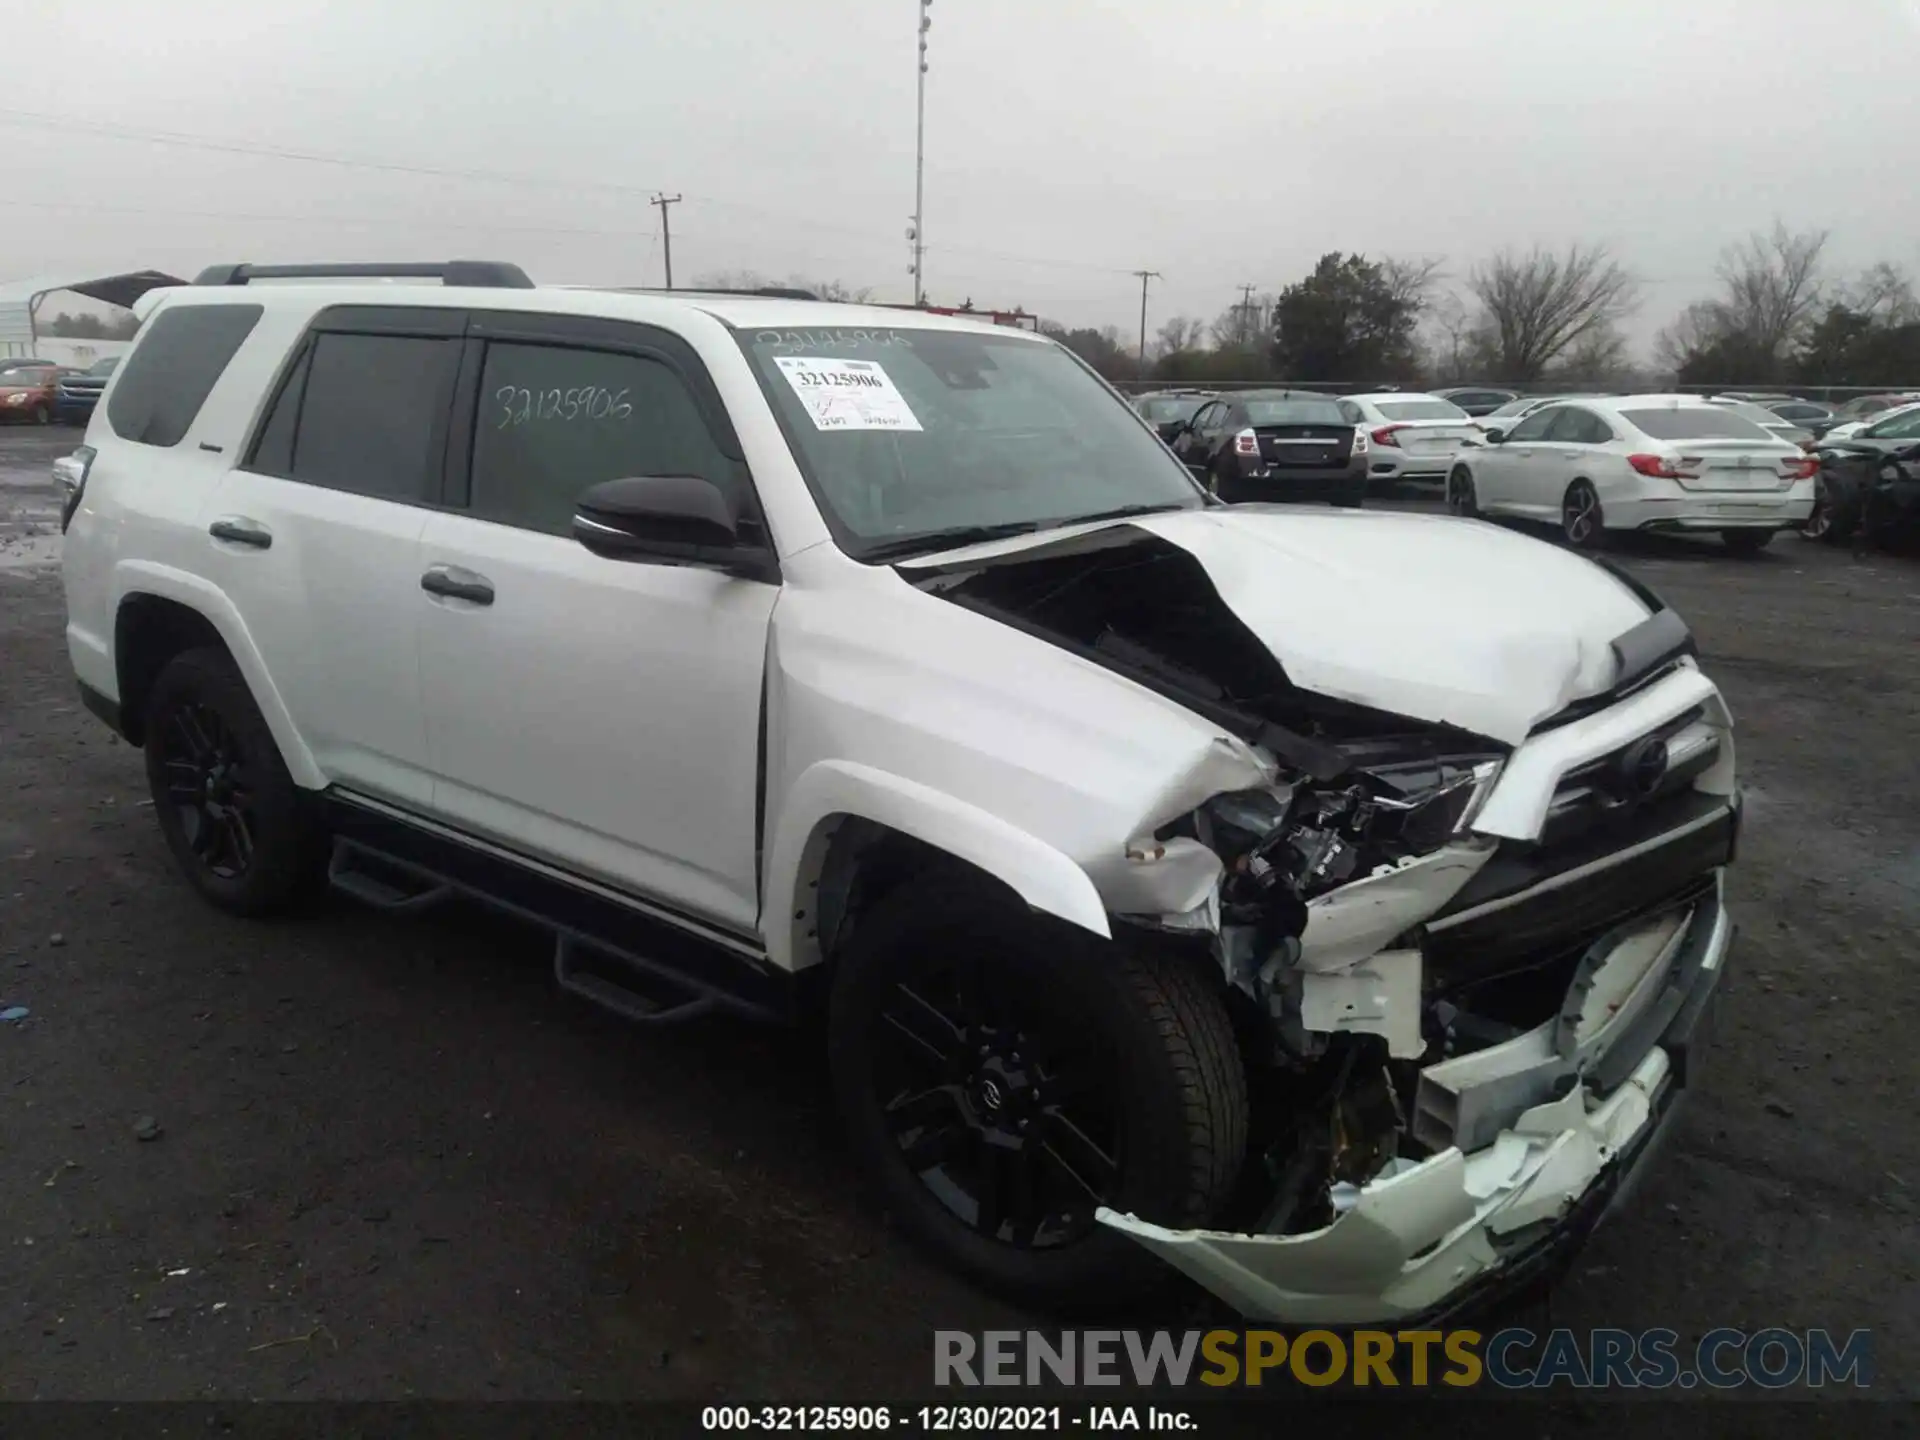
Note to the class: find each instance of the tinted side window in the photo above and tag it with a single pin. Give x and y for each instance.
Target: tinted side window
(273, 450)
(555, 420)
(1534, 427)
(370, 413)
(183, 352)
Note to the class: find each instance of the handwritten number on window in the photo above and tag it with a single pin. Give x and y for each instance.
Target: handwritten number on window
(520, 406)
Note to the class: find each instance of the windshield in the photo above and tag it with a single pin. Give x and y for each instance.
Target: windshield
(1695, 422)
(1294, 412)
(909, 434)
(1515, 407)
(1163, 409)
(1428, 409)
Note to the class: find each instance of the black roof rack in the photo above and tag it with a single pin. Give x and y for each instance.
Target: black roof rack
(495, 274)
(771, 292)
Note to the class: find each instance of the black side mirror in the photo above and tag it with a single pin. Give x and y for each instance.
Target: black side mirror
(1494, 436)
(671, 519)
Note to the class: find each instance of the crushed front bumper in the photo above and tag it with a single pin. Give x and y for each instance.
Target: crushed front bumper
(1457, 1229)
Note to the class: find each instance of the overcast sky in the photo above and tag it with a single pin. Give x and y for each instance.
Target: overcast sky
(1068, 141)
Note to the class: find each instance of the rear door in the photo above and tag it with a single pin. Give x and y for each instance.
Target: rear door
(316, 536)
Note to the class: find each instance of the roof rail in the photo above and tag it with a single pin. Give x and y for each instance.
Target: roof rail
(494, 274)
(772, 292)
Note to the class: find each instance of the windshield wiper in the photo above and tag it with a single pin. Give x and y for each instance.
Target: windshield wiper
(953, 538)
(1119, 512)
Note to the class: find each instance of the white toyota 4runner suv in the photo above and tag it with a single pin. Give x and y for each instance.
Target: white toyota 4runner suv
(1319, 902)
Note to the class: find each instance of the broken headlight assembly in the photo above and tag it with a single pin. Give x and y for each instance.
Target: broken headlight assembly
(1286, 844)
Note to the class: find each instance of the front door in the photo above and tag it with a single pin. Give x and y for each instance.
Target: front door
(600, 715)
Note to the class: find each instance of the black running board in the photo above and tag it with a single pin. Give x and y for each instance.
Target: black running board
(385, 881)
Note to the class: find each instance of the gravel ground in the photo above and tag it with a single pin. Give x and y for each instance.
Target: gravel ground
(385, 1160)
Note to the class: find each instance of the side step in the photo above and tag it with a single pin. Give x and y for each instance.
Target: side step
(621, 999)
(410, 889)
(388, 883)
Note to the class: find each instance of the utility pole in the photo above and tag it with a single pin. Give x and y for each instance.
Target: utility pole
(1246, 315)
(666, 231)
(1145, 276)
(916, 232)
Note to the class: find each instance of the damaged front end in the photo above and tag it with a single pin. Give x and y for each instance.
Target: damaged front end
(1461, 1033)
(1465, 972)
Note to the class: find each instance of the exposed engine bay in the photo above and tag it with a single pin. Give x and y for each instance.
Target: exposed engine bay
(1313, 891)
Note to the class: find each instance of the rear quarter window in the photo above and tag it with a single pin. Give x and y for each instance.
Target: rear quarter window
(1702, 423)
(181, 354)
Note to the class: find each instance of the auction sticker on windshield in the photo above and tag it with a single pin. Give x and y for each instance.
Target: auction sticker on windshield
(847, 394)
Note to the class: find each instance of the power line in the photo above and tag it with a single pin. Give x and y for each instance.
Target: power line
(35, 120)
(663, 200)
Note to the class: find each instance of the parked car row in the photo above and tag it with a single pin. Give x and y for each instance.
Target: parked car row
(39, 392)
(1589, 464)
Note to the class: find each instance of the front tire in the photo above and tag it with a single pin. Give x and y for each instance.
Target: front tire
(1002, 1075)
(1582, 521)
(1462, 499)
(238, 826)
(41, 415)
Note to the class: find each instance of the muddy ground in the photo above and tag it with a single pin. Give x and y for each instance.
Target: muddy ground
(390, 1162)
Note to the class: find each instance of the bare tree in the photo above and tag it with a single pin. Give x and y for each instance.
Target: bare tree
(1412, 282)
(1178, 336)
(1773, 288)
(1695, 329)
(1540, 305)
(1883, 293)
(1247, 324)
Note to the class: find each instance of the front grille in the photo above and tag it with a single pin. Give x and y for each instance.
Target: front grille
(1599, 795)
(1530, 903)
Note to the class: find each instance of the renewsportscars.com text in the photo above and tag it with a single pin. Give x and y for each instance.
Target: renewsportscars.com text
(1512, 1359)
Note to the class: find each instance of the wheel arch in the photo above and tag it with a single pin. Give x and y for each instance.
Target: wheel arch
(841, 818)
(158, 614)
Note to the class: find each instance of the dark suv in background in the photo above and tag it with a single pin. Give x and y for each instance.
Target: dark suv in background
(79, 391)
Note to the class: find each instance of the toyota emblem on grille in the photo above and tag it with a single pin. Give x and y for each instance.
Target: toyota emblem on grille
(1641, 767)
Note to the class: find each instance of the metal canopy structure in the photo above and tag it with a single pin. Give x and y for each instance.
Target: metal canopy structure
(20, 299)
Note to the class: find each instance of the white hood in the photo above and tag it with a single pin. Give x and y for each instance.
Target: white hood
(1451, 621)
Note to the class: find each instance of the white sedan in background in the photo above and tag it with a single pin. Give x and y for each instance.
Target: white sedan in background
(1413, 436)
(1848, 428)
(1639, 462)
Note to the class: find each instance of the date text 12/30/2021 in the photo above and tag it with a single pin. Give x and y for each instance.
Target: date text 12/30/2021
(945, 1419)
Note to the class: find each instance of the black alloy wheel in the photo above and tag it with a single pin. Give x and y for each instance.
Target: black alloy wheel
(1582, 523)
(1007, 1117)
(208, 789)
(241, 831)
(1004, 1075)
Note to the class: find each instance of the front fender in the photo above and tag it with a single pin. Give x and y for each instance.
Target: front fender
(1044, 877)
(139, 577)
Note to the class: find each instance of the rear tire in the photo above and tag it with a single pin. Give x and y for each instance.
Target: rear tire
(1002, 1074)
(1746, 542)
(239, 828)
(1582, 522)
